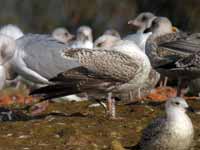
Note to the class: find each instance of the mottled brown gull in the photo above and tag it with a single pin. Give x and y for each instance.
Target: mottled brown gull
(174, 131)
(100, 72)
(110, 42)
(173, 61)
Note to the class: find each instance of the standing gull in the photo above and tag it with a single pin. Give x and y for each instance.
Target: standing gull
(109, 42)
(141, 22)
(100, 72)
(174, 131)
(169, 56)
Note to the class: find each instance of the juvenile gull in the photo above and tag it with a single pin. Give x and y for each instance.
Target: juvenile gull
(174, 131)
(109, 42)
(84, 38)
(62, 34)
(100, 72)
(168, 58)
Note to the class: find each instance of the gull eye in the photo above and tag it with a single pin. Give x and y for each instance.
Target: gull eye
(144, 18)
(177, 103)
(153, 23)
(99, 44)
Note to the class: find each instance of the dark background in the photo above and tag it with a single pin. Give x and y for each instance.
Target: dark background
(42, 16)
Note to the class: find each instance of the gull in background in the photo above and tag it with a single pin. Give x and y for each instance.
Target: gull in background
(175, 55)
(84, 38)
(141, 22)
(62, 34)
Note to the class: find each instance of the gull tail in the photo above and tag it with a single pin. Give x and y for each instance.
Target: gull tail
(55, 91)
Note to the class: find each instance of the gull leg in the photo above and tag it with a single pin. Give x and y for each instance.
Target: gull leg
(182, 87)
(111, 106)
(109, 103)
(165, 81)
(130, 96)
(139, 93)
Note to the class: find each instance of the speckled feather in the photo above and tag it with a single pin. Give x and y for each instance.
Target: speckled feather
(111, 64)
(171, 61)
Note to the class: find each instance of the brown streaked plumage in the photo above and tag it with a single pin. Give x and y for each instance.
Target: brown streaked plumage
(100, 72)
(170, 54)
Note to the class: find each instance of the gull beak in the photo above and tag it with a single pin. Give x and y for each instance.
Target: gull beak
(175, 29)
(133, 23)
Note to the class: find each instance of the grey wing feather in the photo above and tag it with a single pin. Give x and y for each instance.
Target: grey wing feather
(43, 55)
(153, 131)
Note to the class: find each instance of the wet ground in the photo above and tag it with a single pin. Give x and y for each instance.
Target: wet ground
(75, 126)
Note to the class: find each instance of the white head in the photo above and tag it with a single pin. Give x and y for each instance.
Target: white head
(12, 31)
(112, 32)
(106, 41)
(62, 35)
(7, 48)
(176, 105)
(84, 33)
(142, 21)
(160, 26)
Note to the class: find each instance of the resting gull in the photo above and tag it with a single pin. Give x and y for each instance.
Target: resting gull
(84, 38)
(169, 56)
(99, 73)
(12, 30)
(174, 131)
(62, 34)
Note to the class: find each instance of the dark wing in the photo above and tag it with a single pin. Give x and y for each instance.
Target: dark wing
(183, 42)
(153, 131)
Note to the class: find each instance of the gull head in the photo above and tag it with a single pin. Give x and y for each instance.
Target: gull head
(84, 33)
(142, 21)
(177, 104)
(12, 31)
(160, 26)
(112, 32)
(62, 35)
(7, 48)
(106, 41)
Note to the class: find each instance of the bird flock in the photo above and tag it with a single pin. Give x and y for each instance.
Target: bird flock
(67, 66)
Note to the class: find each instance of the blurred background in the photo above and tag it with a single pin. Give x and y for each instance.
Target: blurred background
(42, 16)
